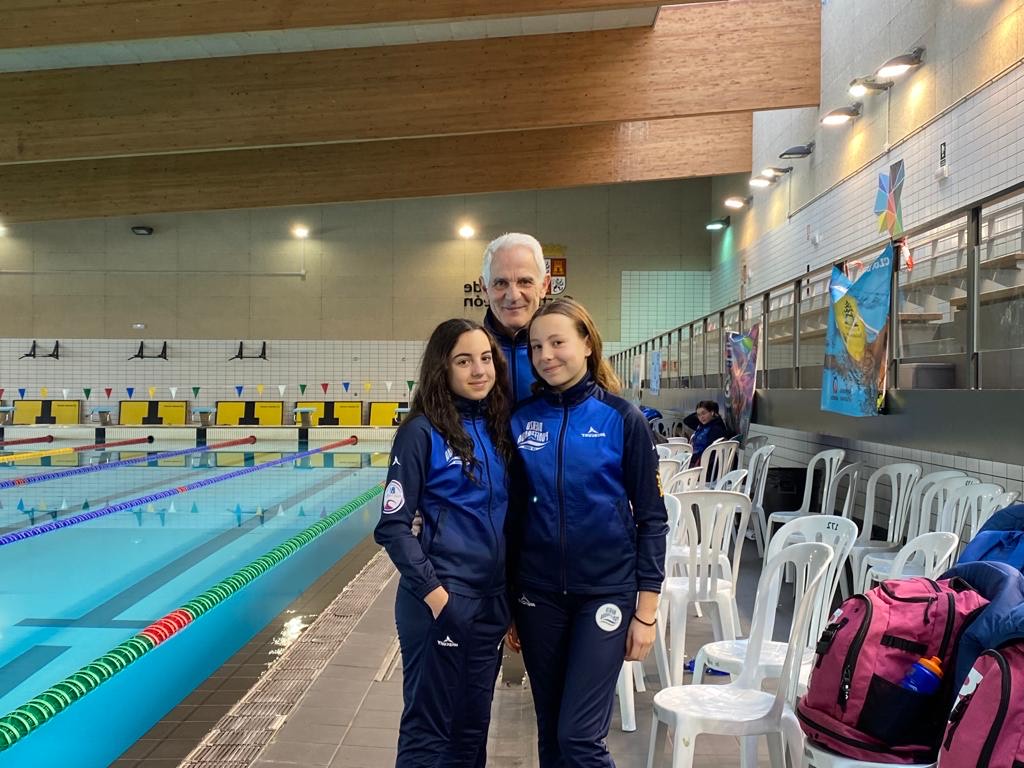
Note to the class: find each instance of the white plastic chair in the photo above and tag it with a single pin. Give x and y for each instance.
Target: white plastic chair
(934, 551)
(684, 481)
(667, 469)
(707, 577)
(740, 708)
(757, 477)
(901, 477)
(664, 452)
(967, 509)
(674, 508)
(631, 677)
(732, 481)
(716, 460)
(803, 754)
(830, 461)
(850, 474)
(1002, 501)
(730, 655)
(679, 441)
(918, 522)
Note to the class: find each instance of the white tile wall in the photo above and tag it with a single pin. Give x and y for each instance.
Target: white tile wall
(653, 302)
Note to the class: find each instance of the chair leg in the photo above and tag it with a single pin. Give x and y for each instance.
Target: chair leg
(683, 748)
(748, 751)
(759, 534)
(697, 611)
(638, 676)
(699, 662)
(725, 614)
(776, 755)
(627, 706)
(735, 619)
(677, 635)
(661, 656)
(657, 747)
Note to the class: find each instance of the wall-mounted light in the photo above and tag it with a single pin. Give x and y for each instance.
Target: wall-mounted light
(737, 203)
(760, 182)
(3, 230)
(797, 151)
(466, 231)
(776, 172)
(900, 65)
(862, 86)
(142, 230)
(842, 115)
(138, 326)
(717, 225)
(300, 231)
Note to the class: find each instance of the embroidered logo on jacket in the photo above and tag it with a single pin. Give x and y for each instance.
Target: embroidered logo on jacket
(592, 433)
(533, 438)
(608, 617)
(524, 600)
(396, 462)
(450, 459)
(448, 642)
(394, 498)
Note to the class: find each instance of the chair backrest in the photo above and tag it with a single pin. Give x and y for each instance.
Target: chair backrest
(810, 560)
(678, 441)
(717, 459)
(851, 475)
(757, 474)
(935, 549)
(674, 509)
(1002, 501)
(680, 451)
(663, 451)
(840, 534)
(901, 477)
(706, 525)
(917, 498)
(830, 461)
(682, 482)
(668, 468)
(732, 481)
(933, 503)
(965, 507)
(755, 443)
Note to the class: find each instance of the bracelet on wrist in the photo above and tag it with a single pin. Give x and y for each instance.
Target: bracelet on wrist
(646, 623)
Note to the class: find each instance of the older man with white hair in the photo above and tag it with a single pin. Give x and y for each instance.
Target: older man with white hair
(514, 281)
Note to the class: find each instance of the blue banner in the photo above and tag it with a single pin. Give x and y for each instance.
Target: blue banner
(655, 377)
(741, 380)
(857, 345)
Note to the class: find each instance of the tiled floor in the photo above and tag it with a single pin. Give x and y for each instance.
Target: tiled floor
(349, 717)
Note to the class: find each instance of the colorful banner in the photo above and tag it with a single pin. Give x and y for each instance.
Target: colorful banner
(636, 374)
(740, 380)
(655, 373)
(857, 346)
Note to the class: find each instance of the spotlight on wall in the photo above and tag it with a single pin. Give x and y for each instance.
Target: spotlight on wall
(900, 65)
(142, 230)
(798, 151)
(139, 326)
(775, 172)
(717, 225)
(842, 115)
(862, 86)
(300, 231)
(3, 230)
(760, 182)
(737, 203)
(466, 231)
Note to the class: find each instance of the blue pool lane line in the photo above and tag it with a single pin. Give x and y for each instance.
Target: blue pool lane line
(55, 525)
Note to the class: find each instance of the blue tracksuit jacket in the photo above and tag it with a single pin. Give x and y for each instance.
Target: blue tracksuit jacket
(517, 353)
(590, 518)
(462, 544)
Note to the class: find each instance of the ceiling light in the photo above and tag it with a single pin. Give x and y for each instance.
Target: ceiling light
(139, 326)
(466, 231)
(717, 225)
(760, 182)
(900, 65)
(774, 172)
(862, 86)
(300, 231)
(842, 115)
(737, 203)
(142, 230)
(798, 151)
(3, 230)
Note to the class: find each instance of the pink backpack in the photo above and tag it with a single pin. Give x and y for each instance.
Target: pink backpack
(855, 705)
(986, 727)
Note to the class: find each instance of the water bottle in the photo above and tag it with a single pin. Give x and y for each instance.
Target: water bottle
(925, 676)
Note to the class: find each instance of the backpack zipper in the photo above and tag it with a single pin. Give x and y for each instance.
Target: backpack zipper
(850, 662)
(1004, 703)
(916, 756)
(955, 718)
(948, 632)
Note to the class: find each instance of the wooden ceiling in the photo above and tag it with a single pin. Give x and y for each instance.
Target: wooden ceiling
(669, 101)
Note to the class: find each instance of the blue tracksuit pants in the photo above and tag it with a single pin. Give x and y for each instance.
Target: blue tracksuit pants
(573, 648)
(449, 668)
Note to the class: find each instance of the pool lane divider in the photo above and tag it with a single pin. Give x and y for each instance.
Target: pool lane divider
(7, 459)
(26, 441)
(62, 473)
(83, 517)
(17, 724)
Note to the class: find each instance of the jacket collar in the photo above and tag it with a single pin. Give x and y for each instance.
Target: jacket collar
(469, 409)
(501, 333)
(577, 393)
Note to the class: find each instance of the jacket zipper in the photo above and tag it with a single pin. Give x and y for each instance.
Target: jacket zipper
(559, 472)
(1004, 703)
(850, 663)
(490, 492)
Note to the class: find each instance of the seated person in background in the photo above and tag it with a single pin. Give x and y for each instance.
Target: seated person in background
(707, 426)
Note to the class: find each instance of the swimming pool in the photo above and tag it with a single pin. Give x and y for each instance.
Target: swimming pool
(71, 595)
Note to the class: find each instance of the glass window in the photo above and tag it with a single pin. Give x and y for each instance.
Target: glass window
(684, 356)
(1001, 295)
(779, 360)
(697, 361)
(713, 363)
(752, 312)
(814, 309)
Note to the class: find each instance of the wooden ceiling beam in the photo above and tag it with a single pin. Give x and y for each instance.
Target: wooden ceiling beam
(29, 23)
(543, 159)
(739, 56)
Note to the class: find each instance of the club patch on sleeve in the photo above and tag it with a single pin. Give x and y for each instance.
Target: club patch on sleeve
(394, 498)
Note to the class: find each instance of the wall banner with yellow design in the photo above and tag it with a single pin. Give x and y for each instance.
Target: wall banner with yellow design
(857, 346)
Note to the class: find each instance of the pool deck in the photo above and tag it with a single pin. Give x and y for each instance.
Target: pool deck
(347, 713)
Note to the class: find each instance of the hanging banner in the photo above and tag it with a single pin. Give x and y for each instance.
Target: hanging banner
(152, 392)
(130, 391)
(239, 389)
(43, 392)
(108, 391)
(281, 388)
(324, 386)
(655, 373)
(635, 374)
(740, 380)
(259, 389)
(302, 389)
(889, 200)
(173, 391)
(21, 393)
(195, 391)
(857, 345)
(87, 392)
